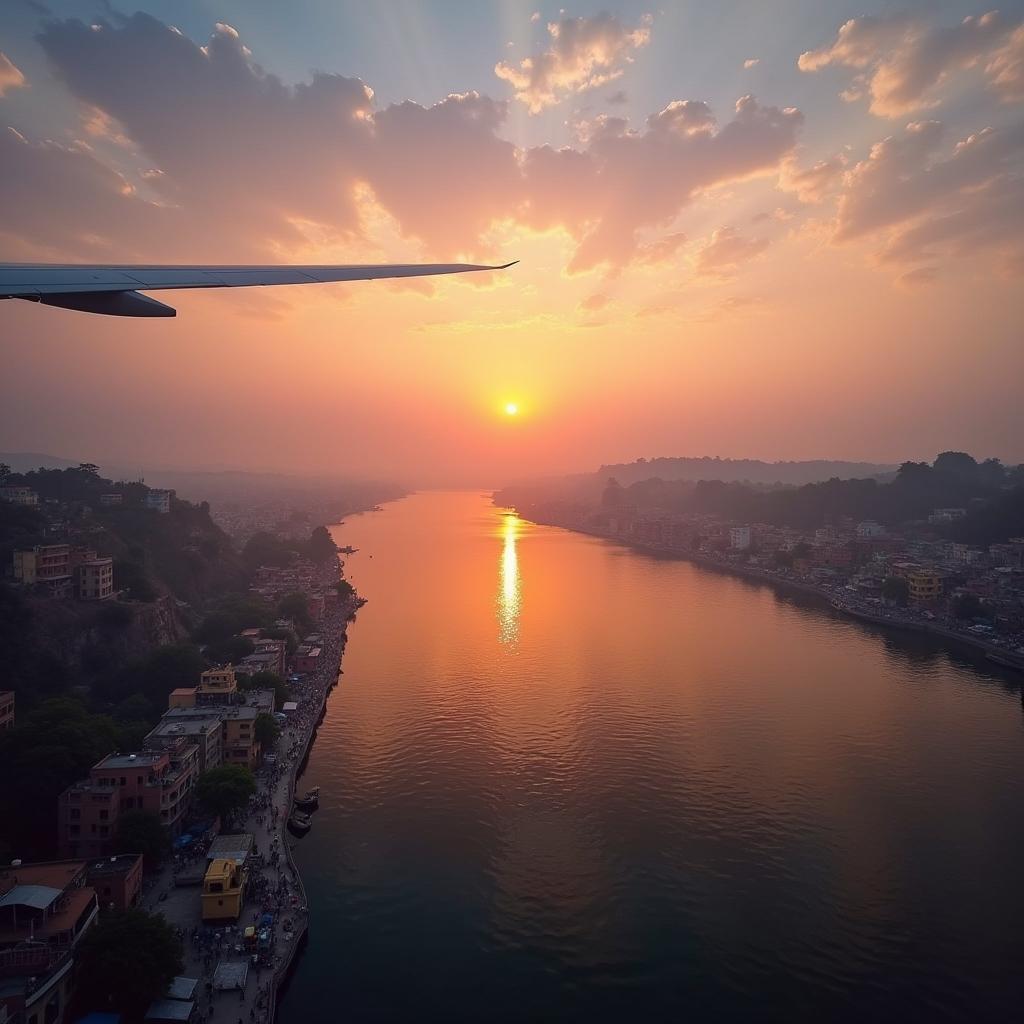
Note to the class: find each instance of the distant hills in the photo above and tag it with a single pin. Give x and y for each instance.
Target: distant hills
(743, 470)
(223, 488)
(25, 462)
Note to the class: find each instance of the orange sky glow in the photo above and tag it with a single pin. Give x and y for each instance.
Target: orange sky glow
(776, 286)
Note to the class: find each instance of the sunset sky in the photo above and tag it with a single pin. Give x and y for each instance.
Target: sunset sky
(773, 230)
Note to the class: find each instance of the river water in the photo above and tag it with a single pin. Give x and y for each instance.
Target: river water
(563, 780)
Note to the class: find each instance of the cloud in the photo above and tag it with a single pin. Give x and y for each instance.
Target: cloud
(223, 161)
(751, 62)
(617, 99)
(815, 183)
(722, 254)
(903, 60)
(925, 202)
(628, 180)
(583, 53)
(592, 303)
(10, 76)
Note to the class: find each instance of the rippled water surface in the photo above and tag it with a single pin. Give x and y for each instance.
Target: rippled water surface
(563, 780)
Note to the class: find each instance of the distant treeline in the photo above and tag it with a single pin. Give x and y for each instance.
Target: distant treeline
(992, 494)
(752, 471)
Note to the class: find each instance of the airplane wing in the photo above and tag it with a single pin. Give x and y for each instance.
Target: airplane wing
(116, 290)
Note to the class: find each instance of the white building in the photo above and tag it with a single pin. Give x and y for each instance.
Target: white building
(869, 528)
(739, 538)
(159, 500)
(19, 495)
(946, 515)
(96, 579)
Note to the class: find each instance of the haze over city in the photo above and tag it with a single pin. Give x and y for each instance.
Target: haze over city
(732, 221)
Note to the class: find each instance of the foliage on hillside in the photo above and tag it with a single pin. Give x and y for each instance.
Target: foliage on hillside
(992, 494)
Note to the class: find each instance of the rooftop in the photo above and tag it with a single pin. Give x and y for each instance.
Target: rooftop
(119, 864)
(142, 759)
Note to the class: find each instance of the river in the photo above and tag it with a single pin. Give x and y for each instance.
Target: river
(564, 780)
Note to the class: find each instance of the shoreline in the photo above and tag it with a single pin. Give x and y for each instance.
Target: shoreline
(995, 655)
(283, 971)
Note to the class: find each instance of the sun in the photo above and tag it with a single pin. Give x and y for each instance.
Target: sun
(511, 409)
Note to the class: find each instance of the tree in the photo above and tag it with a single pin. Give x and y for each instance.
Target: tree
(320, 546)
(230, 651)
(265, 681)
(141, 832)
(266, 730)
(225, 789)
(345, 589)
(296, 607)
(896, 589)
(967, 606)
(125, 961)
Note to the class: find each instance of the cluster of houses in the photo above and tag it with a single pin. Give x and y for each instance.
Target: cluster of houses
(853, 555)
(204, 726)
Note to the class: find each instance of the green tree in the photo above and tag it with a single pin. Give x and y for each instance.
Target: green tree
(154, 676)
(896, 589)
(55, 744)
(132, 580)
(229, 651)
(266, 730)
(320, 546)
(265, 681)
(296, 607)
(967, 606)
(125, 961)
(141, 832)
(225, 789)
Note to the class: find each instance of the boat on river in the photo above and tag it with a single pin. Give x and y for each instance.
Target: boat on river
(309, 801)
(299, 824)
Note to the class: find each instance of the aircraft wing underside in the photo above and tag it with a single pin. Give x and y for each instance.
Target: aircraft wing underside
(116, 290)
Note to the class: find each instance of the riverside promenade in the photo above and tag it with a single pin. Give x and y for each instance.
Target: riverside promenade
(274, 884)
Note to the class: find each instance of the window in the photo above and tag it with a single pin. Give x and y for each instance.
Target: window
(104, 815)
(75, 814)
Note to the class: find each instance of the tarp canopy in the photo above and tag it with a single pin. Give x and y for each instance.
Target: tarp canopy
(181, 988)
(170, 1010)
(39, 897)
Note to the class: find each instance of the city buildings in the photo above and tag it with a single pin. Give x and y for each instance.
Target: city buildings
(19, 495)
(117, 880)
(96, 579)
(159, 500)
(45, 909)
(157, 781)
(740, 538)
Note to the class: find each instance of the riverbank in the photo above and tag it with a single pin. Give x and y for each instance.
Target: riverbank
(838, 598)
(274, 884)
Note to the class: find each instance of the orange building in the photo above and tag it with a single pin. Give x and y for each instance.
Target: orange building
(117, 880)
(45, 909)
(159, 782)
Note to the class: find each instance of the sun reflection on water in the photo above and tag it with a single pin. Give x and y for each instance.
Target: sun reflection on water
(510, 595)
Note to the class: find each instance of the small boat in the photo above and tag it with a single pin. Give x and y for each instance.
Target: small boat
(299, 824)
(309, 801)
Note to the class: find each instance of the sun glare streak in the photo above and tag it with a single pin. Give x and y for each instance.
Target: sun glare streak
(510, 596)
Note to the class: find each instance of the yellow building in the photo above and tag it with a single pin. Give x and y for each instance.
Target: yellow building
(217, 686)
(223, 889)
(182, 697)
(925, 586)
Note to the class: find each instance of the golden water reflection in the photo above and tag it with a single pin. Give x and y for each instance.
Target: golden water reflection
(510, 594)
